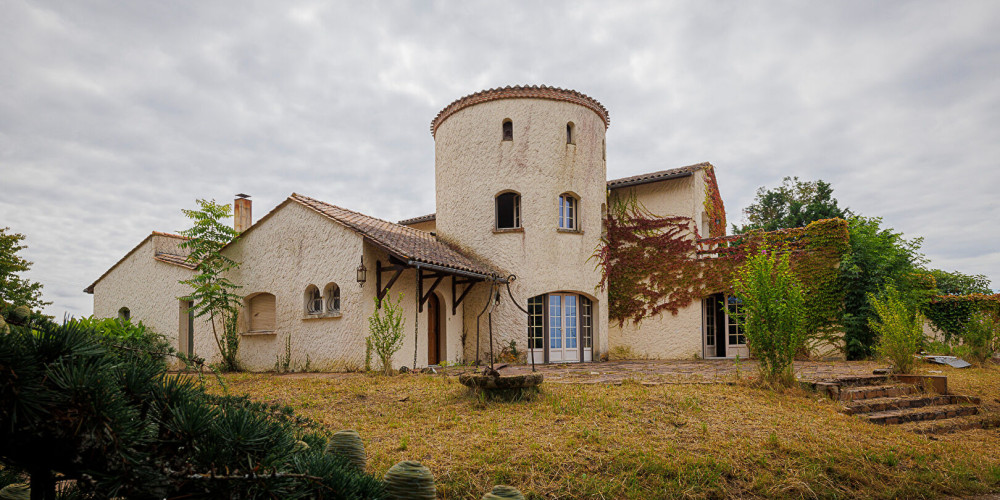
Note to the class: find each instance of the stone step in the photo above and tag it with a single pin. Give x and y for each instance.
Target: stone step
(892, 417)
(862, 381)
(950, 425)
(877, 391)
(900, 402)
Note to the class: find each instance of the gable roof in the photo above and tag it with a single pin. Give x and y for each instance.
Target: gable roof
(177, 260)
(662, 175)
(405, 243)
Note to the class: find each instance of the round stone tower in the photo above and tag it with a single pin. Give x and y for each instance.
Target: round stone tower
(521, 182)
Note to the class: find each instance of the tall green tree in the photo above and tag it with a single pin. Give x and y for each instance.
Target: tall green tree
(794, 203)
(213, 294)
(14, 289)
(880, 258)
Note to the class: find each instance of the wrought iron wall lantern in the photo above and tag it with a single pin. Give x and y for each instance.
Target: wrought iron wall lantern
(362, 272)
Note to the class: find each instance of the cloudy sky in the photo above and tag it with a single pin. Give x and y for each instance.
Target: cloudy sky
(116, 115)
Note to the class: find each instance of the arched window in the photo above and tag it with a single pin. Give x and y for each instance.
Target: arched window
(332, 294)
(314, 301)
(508, 130)
(508, 210)
(568, 208)
(260, 310)
(570, 129)
(124, 314)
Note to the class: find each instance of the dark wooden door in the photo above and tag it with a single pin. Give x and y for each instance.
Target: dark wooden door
(720, 325)
(433, 331)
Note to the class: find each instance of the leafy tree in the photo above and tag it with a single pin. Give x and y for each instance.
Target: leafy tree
(14, 289)
(898, 327)
(772, 313)
(212, 292)
(385, 332)
(956, 283)
(879, 258)
(112, 421)
(794, 203)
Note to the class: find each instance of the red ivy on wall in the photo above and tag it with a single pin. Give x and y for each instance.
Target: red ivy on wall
(654, 264)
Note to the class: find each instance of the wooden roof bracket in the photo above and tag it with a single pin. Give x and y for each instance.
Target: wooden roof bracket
(455, 298)
(421, 275)
(396, 266)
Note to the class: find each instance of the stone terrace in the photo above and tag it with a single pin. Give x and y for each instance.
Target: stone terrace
(678, 371)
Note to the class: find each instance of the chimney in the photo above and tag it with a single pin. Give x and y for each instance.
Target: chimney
(241, 213)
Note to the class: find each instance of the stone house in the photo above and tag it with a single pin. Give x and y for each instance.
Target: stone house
(521, 202)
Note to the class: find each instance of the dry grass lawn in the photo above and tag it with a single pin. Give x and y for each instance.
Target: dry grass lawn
(638, 441)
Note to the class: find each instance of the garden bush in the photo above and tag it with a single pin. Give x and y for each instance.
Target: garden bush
(899, 329)
(115, 424)
(772, 313)
(980, 337)
(385, 331)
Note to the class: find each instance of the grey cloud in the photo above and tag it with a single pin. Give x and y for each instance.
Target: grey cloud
(114, 116)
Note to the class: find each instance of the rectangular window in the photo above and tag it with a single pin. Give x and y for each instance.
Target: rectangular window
(508, 211)
(567, 212)
(736, 336)
(586, 322)
(555, 322)
(536, 328)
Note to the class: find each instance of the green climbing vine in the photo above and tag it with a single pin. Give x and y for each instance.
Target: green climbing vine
(714, 207)
(653, 264)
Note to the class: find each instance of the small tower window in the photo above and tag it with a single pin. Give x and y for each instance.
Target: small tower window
(569, 133)
(124, 314)
(508, 130)
(567, 211)
(508, 211)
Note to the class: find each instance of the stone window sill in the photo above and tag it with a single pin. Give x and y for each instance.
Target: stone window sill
(335, 314)
(570, 231)
(259, 332)
(509, 230)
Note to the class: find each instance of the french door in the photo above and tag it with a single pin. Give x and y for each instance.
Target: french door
(560, 328)
(563, 328)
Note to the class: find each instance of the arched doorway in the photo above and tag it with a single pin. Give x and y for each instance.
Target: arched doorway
(435, 336)
(561, 327)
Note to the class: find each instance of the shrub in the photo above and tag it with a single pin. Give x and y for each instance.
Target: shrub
(385, 332)
(980, 337)
(117, 425)
(899, 329)
(133, 339)
(772, 313)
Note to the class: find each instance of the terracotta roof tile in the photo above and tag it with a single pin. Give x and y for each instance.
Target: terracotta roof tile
(417, 220)
(672, 173)
(404, 242)
(521, 91)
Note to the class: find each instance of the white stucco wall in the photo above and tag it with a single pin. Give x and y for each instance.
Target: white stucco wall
(150, 290)
(473, 164)
(665, 336)
(295, 248)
